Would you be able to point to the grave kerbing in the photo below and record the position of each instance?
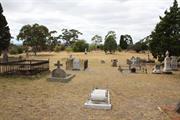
(59, 74)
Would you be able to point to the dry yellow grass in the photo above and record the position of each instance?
(133, 96)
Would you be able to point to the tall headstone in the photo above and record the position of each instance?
(85, 64)
(76, 64)
(174, 63)
(69, 63)
(85, 52)
(167, 64)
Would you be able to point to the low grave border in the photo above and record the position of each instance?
(24, 67)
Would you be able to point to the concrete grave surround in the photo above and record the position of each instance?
(59, 74)
(99, 99)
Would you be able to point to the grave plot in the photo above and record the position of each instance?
(59, 74)
(99, 99)
(76, 64)
(134, 65)
(24, 67)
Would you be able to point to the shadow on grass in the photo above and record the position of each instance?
(24, 77)
(42, 55)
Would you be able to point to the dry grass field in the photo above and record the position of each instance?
(133, 96)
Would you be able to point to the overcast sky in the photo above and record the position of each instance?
(135, 17)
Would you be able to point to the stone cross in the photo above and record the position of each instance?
(58, 64)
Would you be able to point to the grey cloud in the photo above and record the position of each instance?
(135, 17)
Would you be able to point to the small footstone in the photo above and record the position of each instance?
(133, 70)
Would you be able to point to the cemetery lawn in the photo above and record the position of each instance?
(133, 96)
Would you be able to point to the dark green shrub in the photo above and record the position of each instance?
(80, 46)
(16, 50)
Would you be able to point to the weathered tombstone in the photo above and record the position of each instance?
(85, 52)
(133, 70)
(174, 63)
(76, 64)
(114, 62)
(134, 64)
(133, 60)
(157, 69)
(167, 64)
(85, 64)
(120, 69)
(129, 63)
(178, 108)
(69, 63)
(59, 74)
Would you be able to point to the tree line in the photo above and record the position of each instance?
(165, 36)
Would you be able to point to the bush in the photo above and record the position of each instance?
(69, 49)
(57, 48)
(110, 44)
(16, 50)
(101, 47)
(119, 49)
(80, 46)
(139, 46)
(92, 47)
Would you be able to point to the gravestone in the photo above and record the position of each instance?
(99, 99)
(59, 74)
(85, 64)
(133, 60)
(157, 69)
(85, 51)
(114, 62)
(174, 63)
(76, 64)
(167, 64)
(178, 108)
(120, 69)
(69, 63)
(129, 63)
(133, 70)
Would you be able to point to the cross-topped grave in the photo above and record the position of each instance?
(58, 64)
(59, 74)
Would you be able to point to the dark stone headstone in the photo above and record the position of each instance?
(133, 70)
(85, 64)
(178, 108)
(114, 62)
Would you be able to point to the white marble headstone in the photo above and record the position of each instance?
(76, 64)
(167, 63)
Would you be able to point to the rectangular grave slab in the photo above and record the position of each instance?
(99, 99)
